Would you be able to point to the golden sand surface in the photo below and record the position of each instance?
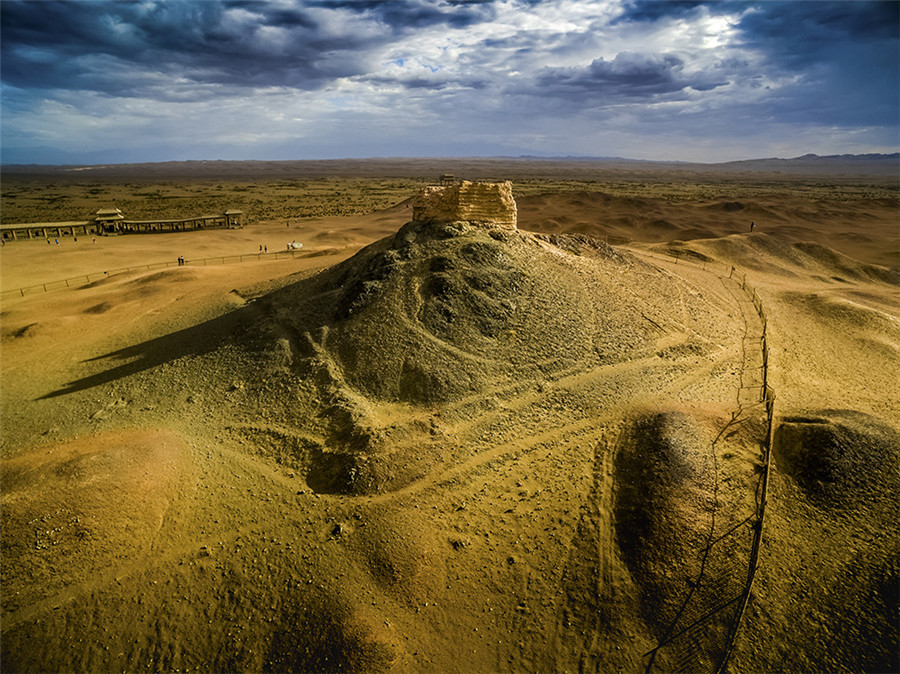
(450, 448)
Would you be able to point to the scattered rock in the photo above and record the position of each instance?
(460, 542)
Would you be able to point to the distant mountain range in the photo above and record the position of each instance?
(869, 164)
(803, 158)
(895, 156)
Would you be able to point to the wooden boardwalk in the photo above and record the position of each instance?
(102, 227)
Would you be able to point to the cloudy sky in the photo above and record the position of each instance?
(154, 80)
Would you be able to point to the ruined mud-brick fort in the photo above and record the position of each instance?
(454, 200)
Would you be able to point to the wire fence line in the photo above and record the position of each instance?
(702, 635)
(82, 279)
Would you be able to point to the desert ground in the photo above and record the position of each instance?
(447, 447)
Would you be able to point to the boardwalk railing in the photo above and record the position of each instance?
(78, 281)
(702, 635)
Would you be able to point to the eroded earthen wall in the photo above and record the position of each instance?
(491, 203)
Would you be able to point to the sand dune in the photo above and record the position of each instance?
(866, 230)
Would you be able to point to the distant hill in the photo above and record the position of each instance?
(843, 157)
(878, 164)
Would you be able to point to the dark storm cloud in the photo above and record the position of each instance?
(133, 48)
(846, 54)
(402, 15)
(799, 32)
(653, 10)
(104, 46)
(788, 21)
(793, 34)
(629, 75)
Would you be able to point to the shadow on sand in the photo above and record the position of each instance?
(193, 341)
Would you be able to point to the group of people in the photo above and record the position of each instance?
(293, 245)
(74, 240)
(181, 261)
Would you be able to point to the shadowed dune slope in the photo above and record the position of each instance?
(840, 458)
(664, 505)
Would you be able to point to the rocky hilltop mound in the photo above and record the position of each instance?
(446, 309)
(449, 310)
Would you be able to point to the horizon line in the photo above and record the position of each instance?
(528, 157)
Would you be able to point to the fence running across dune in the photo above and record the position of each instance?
(78, 281)
(702, 635)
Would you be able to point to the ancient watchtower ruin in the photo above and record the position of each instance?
(488, 203)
